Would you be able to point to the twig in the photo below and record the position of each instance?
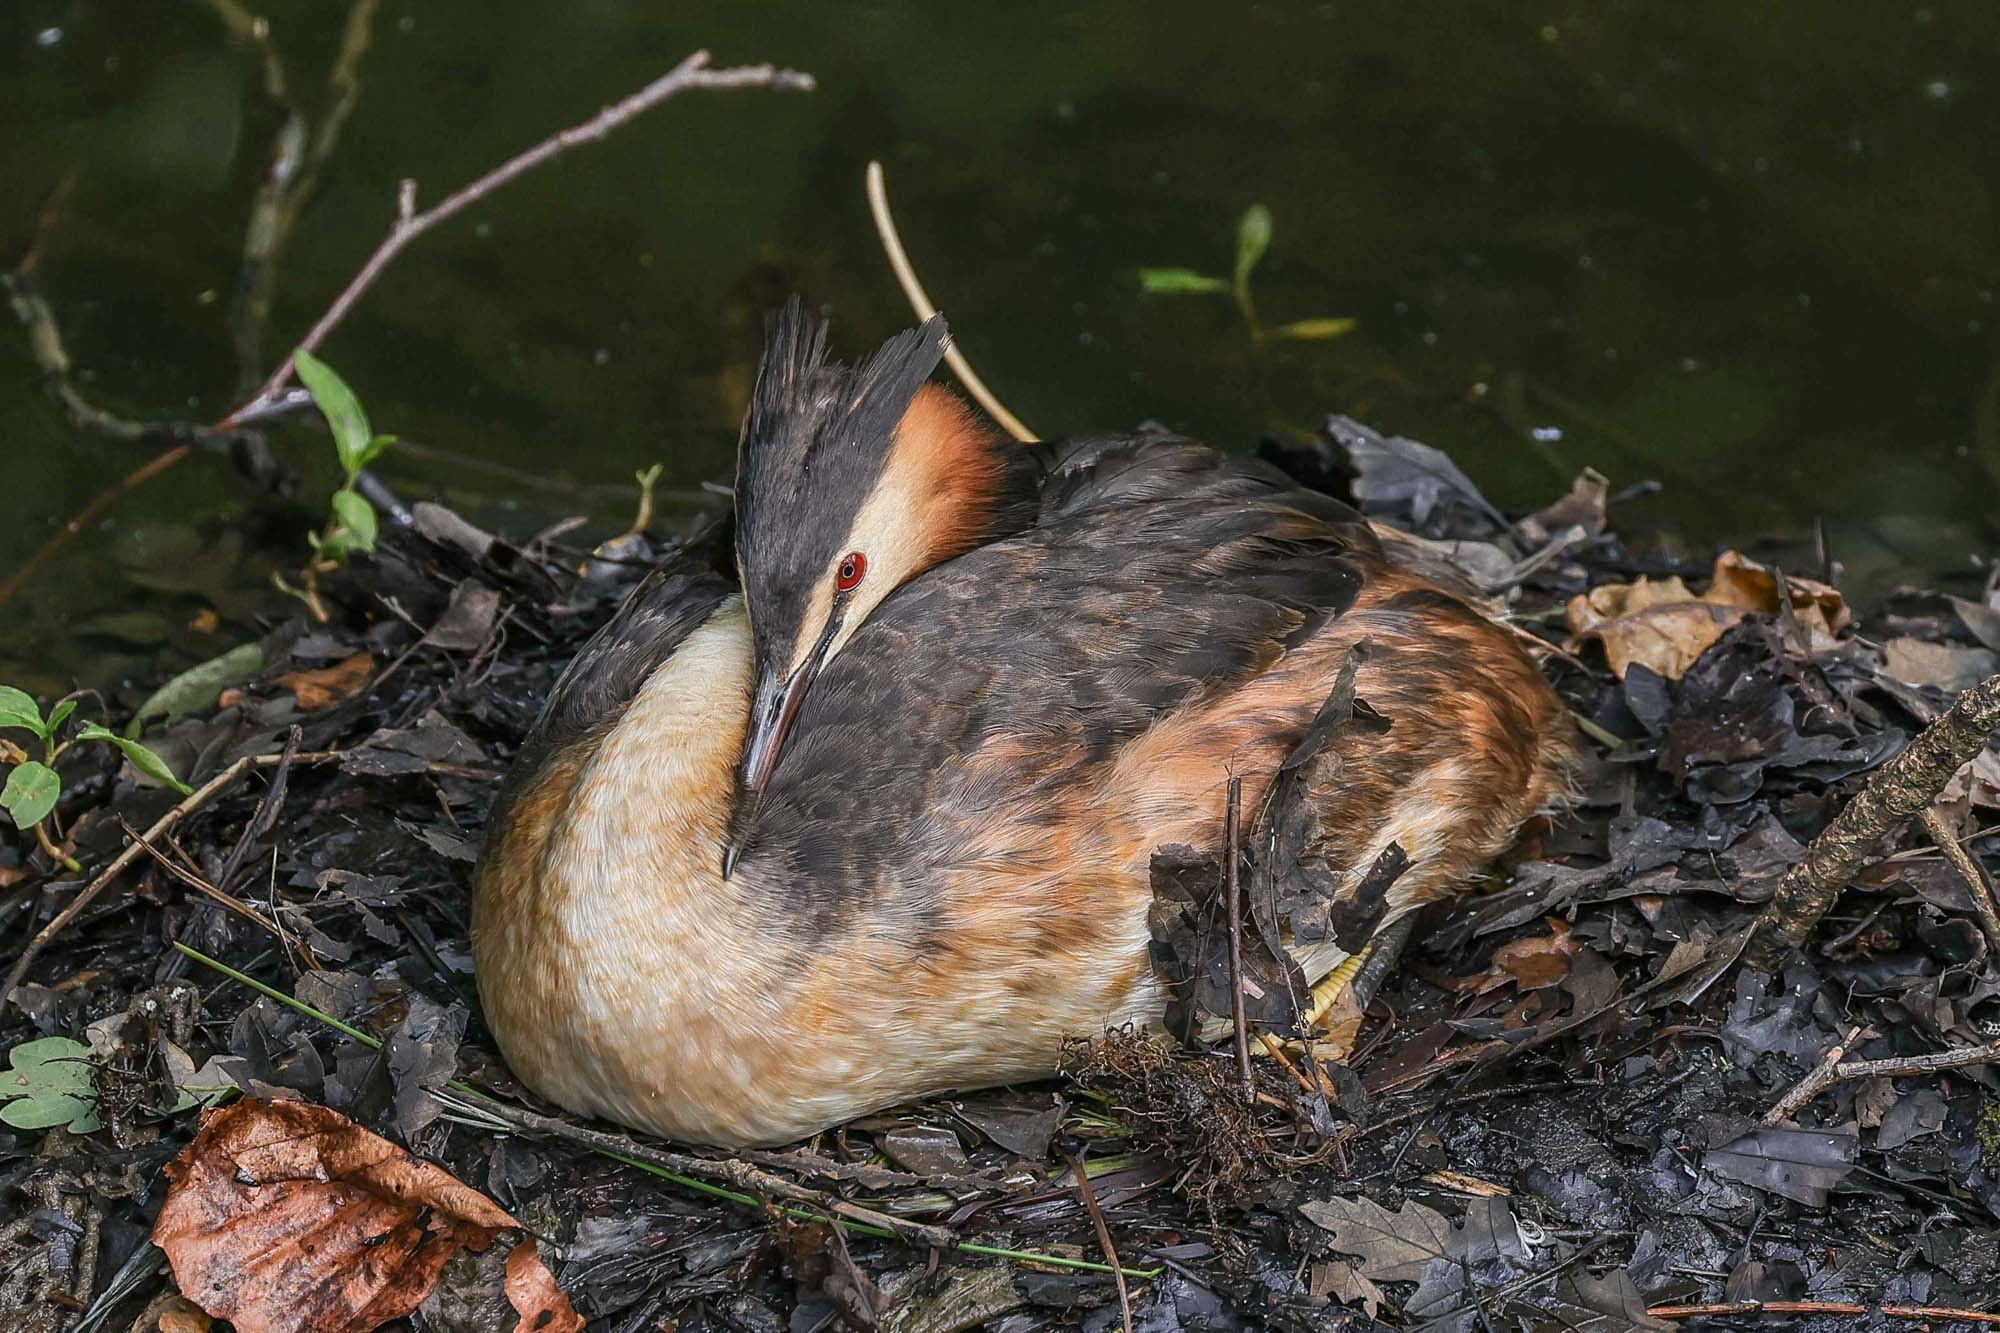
(201, 796)
(1895, 794)
(1232, 839)
(913, 291)
(1813, 1084)
(100, 502)
(410, 224)
(298, 159)
(200, 885)
(1968, 870)
(1821, 1307)
(1103, 1238)
(729, 1171)
(481, 1102)
(1902, 1066)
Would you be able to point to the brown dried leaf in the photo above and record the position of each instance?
(327, 686)
(1664, 626)
(1741, 581)
(1535, 962)
(1947, 666)
(1343, 1282)
(543, 1306)
(286, 1217)
(1392, 1247)
(1582, 507)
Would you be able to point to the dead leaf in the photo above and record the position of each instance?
(467, 622)
(1741, 581)
(531, 1288)
(171, 1312)
(327, 686)
(1662, 625)
(1801, 1164)
(1535, 962)
(1582, 508)
(1344, 1282)
(1948, 666)
(286, 1217)
(1392, 1247)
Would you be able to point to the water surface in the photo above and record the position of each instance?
(1748, 252)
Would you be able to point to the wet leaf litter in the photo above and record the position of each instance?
(1557, 1112)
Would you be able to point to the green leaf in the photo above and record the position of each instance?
(47, 1084)
(60, 714)
(339, 406)
(198, 687)
(30, 793)
(1178, 282)
(376, 448)
(1312, 330)
(1253, 238)
(142, 758)
(357, 516)
(18, 709)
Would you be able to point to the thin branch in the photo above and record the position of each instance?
(729, 1171)
(1895, 794)
(45, 337)
(201, 796)
(1232, 849)
(1103, 1239)
(410, 224)
(1813, 1084)
(913, 291)
(298, 160)
(100, 502)
(1903, 1066)
(1968, 870)
(1928, 1312)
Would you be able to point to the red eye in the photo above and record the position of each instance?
(850, 571)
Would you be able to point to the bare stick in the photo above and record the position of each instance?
(1232, 840)
(1894, 795)
(1821, 1307)
(410, 224)
(1968, 870)
(1813, 1084)
(1903, 1066)
(731, 1172)
(298, 159)
(913, 291)
(201, 796)
(100, 502)
(1103, 1239)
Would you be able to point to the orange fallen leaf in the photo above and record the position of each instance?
(286, 1217)
(327, 686)
(1534, 962)
(1662, 625)
(532, 1290)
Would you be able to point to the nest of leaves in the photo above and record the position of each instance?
(1553, 1115)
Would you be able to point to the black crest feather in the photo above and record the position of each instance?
(814, 445)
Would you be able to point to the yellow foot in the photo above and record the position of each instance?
(1333, 985)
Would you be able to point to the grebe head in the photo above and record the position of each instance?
(850, 480)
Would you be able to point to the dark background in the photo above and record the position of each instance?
(1748, 251)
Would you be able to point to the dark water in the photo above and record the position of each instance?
(1750, 252)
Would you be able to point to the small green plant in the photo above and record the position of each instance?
(1253, 238)
(33, 787)
(351, 524)
(47, 1083)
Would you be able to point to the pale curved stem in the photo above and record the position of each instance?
(892, 246)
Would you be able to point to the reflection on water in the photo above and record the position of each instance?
(1750, 253)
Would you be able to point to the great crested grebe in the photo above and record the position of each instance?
(871, 816)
